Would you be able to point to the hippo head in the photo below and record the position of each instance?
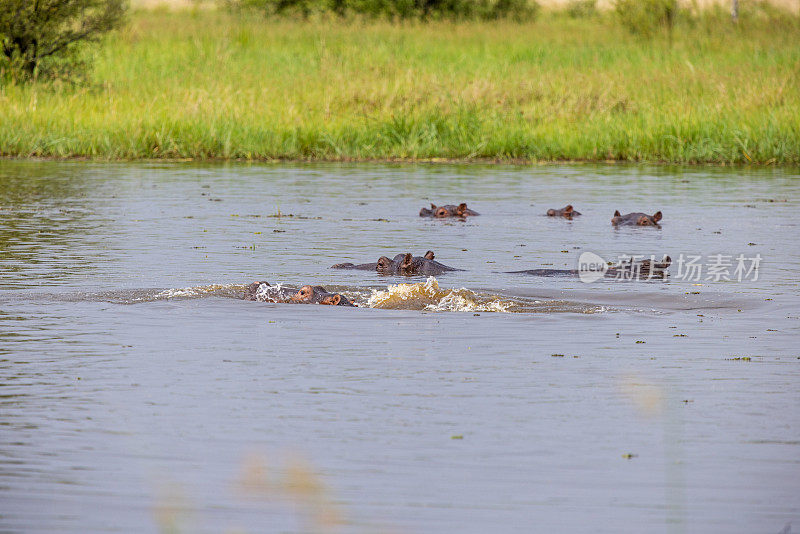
(407, 264)
(441, 212)
(567, 211)
(636, 219)
(384, 265)
(319, 295)
(402, 263)
(649, 220)
(310, 295)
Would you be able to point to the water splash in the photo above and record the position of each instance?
(423, 296)
(277, 293)
(429, 296)
(194, 292)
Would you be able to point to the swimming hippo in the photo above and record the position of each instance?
(636, 219)
(263, 291)
(649, 268)
(567, 212)
(404, 264)
(319, 295)
(629, 270)
(442, 212)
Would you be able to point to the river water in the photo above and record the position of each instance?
(140, 395)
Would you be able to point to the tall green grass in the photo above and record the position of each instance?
(207, 84)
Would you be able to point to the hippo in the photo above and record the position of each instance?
(404, 264)
(636, 219)
(567, 212)
(373, 266)
(306, 295)
(319, 295)
(442, 212)
(629, 270)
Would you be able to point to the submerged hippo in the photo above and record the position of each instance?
(319, 295)
(630, 269)
(306, 295)
(442, 212)
(636, 219)
(567, 212)
(404, 264)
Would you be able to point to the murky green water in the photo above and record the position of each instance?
(139, 395)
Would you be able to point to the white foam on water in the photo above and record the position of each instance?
(267, 293)
(429, 296)
(189, 292)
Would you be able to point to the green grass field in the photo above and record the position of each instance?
(207, 84)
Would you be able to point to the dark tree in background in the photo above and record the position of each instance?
(43, 37)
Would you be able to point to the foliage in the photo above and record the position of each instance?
(581, 8)
(217, 85)
(646, 18)
(396, 9)
(42, 38)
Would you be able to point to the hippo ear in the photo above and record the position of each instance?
(429, 255)
(407, 261)
(462, 208)
(383, 262)
(333, 300)
(433, 206)
(657, 216)
(617, 213)
(568, 208)
(667, 261)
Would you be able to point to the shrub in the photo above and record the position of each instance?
(397, 9)
(579, 9)
(43, 38)
(646, 18)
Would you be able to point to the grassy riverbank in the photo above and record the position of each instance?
(206, 84)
